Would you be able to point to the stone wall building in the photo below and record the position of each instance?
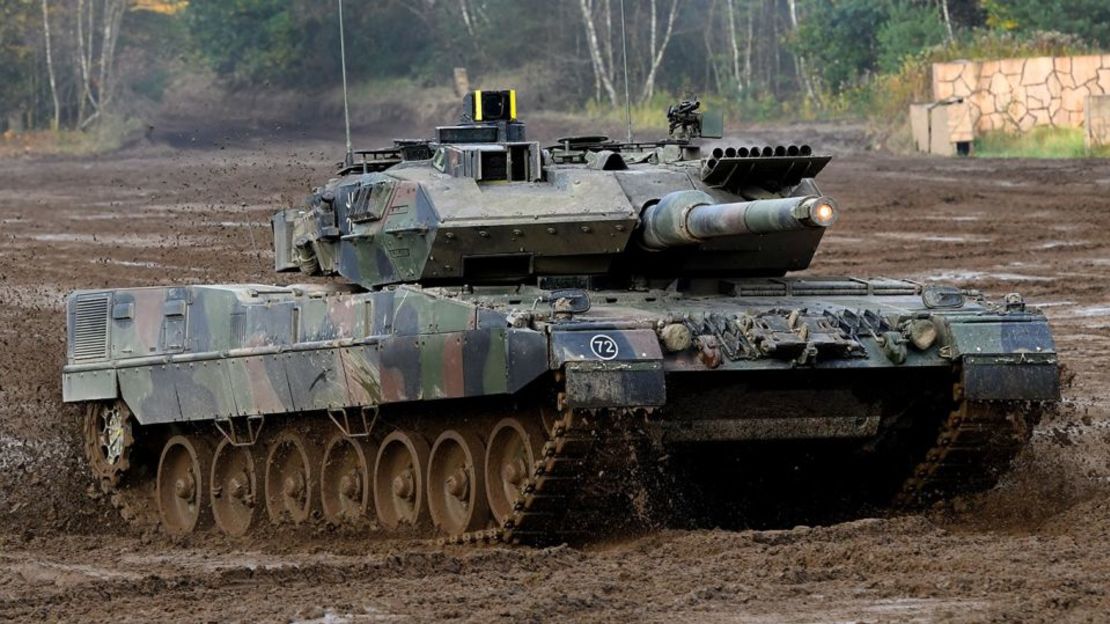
(1017, 94)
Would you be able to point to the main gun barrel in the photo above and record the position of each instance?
(690, 217)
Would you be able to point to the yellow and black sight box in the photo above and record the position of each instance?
(487, 117)
(492, 105)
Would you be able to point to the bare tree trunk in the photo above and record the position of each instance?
(83, 61)
(113, 15)
(89, 49)
(799, 60)
(947, 19)
(79, 82)
(595, 52)
(657, 54)
(469, 23)
(711, 62)
(597, 85)
(733, 41)
(774, 72)
(102, 86)
(112, 18)
(57, 121)
(748, 52)
(607, 6)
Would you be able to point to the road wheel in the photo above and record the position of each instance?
(290, 487)
(399, 474)
(181, 497)
(345, 480)
(234, 488)
(511, 454)
(456, 483)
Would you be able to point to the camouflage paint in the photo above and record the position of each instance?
(258, 350)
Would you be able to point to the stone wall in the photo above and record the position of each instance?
(1098, 121)
(1017, 94)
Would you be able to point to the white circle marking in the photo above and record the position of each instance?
(604, 347)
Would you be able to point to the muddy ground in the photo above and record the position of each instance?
(179, 210)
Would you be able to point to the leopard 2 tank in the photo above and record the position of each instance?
(502, 327)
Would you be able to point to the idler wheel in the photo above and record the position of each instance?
(344, 480)
(234, 488)
(511, 454)
(456, 483)
(399, 475)
(109, 440)
(290, 479)
(180, 484)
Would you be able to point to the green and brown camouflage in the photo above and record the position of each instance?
(218, 352)
(630, 272)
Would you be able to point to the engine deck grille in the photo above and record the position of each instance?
(90, 327)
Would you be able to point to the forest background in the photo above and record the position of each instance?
(88, 74)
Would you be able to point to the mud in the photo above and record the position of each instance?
(1035, 549)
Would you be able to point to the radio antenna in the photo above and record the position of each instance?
(624, 55)
(343, 66)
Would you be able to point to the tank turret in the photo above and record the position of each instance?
(480, 203)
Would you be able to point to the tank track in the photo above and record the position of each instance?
(560, 501)
(975, 445)
(540, 512)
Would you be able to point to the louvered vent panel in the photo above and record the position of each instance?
(90, 327)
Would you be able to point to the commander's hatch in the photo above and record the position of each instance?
(500, 162)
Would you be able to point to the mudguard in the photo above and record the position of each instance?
(1007, 359)
(610, 368)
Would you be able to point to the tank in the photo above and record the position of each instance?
(501, 332)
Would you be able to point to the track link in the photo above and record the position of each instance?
(540, 512)
(974, 447)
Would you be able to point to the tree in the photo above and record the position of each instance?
(249, 41)
(841, 39)
(98, 91)
(1090, 19)
(947, 20)
(799, 59)
(18, 21)
(602, 77)
(657, 51)
(56, 122)
(908, 29)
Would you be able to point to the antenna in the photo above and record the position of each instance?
(624, 55)
(343, 65)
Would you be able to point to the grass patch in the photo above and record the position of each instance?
(1040, 142)
(107, 136)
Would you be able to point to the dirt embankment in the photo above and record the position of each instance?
(1037, 548)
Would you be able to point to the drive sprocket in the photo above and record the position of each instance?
(109, 442)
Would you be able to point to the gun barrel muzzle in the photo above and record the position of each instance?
(689, 217)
